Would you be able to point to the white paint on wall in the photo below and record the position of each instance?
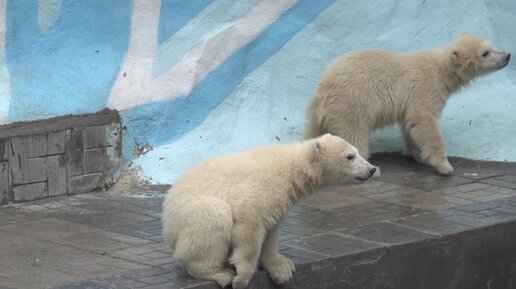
(136, 83)
(214, 18)
(48, 11)
(5, 78)
(135, 80)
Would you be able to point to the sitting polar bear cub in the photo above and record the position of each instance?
(365, 90)
(239, 201)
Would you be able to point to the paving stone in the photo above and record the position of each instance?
(302, 255)
(428, 201)
(426, 182)
(385, 232)
(330, 199)
(503, 181)
(107, 240)
(120, 282)
(85, 183)
(332, 244)
(478, 207)
(433, 223)
(153, 280)
(145, 272)
(4, 182)
(29, 192)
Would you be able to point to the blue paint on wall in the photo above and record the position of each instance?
(172, 119)
(73, 67)
(175, 14)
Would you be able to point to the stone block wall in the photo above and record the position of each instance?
(60, 156)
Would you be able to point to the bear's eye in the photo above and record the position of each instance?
(485, 54)
(350, 157)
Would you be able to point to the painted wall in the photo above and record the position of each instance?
(198, 78)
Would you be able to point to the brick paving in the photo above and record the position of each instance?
(114, 240)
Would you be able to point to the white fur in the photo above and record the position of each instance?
(365, 90)
(238, 201)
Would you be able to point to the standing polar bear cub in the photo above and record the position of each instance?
(237, 202)
(365, 90)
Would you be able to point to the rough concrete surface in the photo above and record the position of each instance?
(59, 156)
(408, 229)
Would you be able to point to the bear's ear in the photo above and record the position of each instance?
(458, 58)
(315, 150)
(464, 33)
(461, 60)
(317, 147)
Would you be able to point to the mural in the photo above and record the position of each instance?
(198, 78)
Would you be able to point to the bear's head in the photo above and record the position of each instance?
(472, 56)
(340, 162)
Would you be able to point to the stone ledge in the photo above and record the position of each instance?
(60, 123)
(59, 156)
(452, 261)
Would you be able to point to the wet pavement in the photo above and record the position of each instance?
(114, 240)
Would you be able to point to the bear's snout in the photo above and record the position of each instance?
(508, 57)
(367, 174)
(372, 171)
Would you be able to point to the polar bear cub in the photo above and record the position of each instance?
(236, 203)
(369, 89)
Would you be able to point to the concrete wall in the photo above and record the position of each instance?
(199, 78)
(60, 156)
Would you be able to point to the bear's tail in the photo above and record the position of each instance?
(313, 125)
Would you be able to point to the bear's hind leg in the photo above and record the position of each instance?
(424, 130)
(202, 246)
(223, 276)
(411, 149)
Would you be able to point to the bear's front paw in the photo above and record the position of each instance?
(280, 268)
(241, 280)
(445, 168)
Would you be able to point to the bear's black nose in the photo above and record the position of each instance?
(508, 57)
(372, 171)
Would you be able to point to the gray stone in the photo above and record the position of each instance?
(96, 137)
(94, 160)
(29, 192)
(4, 182)
(56, 143)
(113, 134)
(75, 158)
(500, 182)
(56, 172)
(37, 145)
(61, 123)
(36, 170)
(85, 183)
(18, 160)
(4, 149)
(112, 164)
